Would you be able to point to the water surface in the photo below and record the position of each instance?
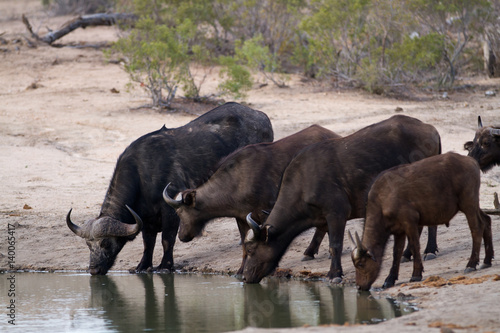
(122, 302)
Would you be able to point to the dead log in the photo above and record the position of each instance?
(496, 204)
(491, 211)
(82, 21)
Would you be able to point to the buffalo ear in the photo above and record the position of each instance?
(268, 233)
(189, 198)
(370, 255)
(468, 145)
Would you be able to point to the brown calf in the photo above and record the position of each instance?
(405, 198)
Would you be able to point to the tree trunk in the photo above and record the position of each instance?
(491, 54)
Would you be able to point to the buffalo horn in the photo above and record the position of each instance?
(358, 241)
(479, 122)
(495, 131)
(134, 229)
(73, 227)
(350, 237)
(171, 202)
(111, 227)
(359, 246)
(253, 225)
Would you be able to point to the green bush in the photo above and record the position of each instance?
(158, 57)
(236, 78)
(373, 44)
(257, 56)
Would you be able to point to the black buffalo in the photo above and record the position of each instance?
(247, 180)
(485, 148)
(327, 183)
(187, 155)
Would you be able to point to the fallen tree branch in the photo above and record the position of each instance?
(496, 204)
(80, 22)
(491, 211)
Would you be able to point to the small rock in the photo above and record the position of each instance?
(26, 206)
(399, 109)
(490, 93)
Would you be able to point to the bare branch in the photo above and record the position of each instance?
(80, 22)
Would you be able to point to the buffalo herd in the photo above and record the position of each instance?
(226, 164)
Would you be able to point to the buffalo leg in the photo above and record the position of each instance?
(399, 244)
(431, 249)
(336, 228)
(488, 240)
(149, 240)
(168, 235)
(243, 229)
(477, 228)
(407, 254)
(414, 243)
(313, 247)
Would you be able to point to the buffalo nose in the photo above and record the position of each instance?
(94, 271)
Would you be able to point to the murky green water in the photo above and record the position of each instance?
(122, 302)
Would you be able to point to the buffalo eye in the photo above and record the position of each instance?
(105, 244)
(250, 248)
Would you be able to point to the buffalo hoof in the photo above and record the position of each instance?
(388, 284)
(141, 270)
(483, 266)
(163, 270)
(416, 279)
(430, 256)
(469, 270)
(336, 280)
(307, 258)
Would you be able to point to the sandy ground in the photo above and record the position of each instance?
(62, 129)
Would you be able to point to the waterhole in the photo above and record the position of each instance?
(122, 302)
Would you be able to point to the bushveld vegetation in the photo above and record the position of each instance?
(377, 45)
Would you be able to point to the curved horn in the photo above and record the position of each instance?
(479, 122)
(350, 237)
(171, 202)
(73, 227)
(358, 249)
(495, 131)
(253, 225)
(111, 227)
(359, 245)
(134, 229)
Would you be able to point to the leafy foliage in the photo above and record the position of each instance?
(158, 57)
(374, 44)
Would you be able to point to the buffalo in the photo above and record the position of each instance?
(485, 148)
(405, 198)
(187, 155)
(327, 183)
(247, 180)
